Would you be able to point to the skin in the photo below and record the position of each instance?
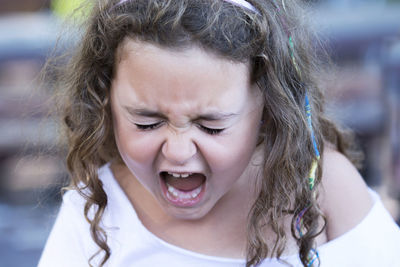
(181, 92)
(344, 195)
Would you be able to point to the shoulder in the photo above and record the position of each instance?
(344, 196)
(68, 240)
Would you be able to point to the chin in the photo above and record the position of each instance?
(190, 214)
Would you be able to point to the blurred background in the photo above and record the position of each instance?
(363, 89)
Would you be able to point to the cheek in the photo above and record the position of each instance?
(231, 154)
(138, 150)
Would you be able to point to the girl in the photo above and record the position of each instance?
(191, 143)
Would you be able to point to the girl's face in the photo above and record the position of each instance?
(186, 124)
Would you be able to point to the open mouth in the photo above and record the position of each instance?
(183, 189)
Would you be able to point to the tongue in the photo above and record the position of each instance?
(185, 184)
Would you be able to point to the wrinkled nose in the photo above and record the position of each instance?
(178, 148)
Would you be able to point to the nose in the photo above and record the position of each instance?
(178, 148)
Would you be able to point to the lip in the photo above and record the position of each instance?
(179, 203)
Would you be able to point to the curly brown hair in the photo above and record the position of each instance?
(233, 33)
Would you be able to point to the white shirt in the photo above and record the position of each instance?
(375, 241)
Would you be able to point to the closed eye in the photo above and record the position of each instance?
(148, 127)
(211, 131)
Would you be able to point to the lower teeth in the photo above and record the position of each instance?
(184, 195)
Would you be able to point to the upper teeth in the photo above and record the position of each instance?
(179, 175)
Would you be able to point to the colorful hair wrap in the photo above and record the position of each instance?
(313, 256)
(314, 165)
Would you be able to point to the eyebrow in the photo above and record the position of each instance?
(144, 112)
(216, 116)
(206, 117)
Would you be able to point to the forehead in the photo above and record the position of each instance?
(148, 75)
